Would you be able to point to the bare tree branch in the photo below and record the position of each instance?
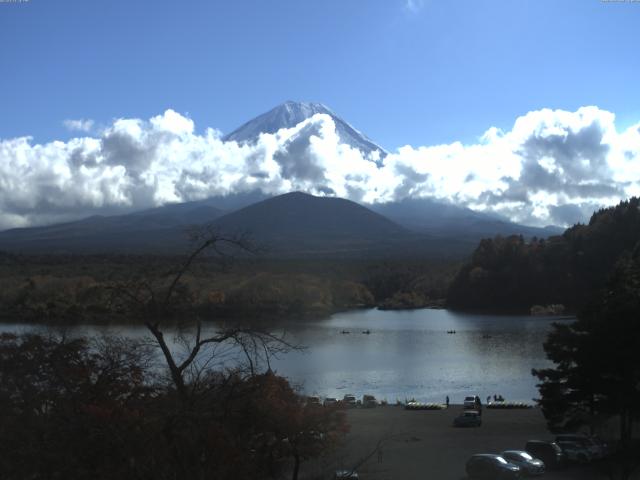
(154, 297)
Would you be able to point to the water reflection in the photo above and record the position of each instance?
(407, 354)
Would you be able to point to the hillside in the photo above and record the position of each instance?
(509, 273)
(157, 230)
(301, 223)
(427, 215)
(292, 225)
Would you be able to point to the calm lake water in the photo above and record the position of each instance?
(408, 354)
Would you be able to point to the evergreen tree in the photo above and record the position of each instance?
(597, 366)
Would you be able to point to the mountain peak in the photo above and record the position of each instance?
(296, 194)
(291, 113)
(296, 103)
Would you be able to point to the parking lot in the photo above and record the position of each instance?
(424, 445)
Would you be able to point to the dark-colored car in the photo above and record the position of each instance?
(527, 463)
(575, 452)
(549, 452)
(468, 418)
(491, 467)
(596, 452)
(369, 401)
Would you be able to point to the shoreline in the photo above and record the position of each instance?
(274, 320)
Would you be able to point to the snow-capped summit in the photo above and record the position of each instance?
(290, 114)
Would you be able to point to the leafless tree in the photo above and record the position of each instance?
(155, 300)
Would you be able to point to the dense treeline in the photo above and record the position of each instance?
(75, 289)
(504, 273)
(510, 273)
(594, 380)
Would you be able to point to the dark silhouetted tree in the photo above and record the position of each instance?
(237, 424)
(597, 366)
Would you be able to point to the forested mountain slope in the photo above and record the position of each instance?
(509, 273)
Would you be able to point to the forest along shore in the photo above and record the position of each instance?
(424, 444)
(80, 289)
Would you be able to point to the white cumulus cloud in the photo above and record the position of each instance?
(78, 125)
(551, 167)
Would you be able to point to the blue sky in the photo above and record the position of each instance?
(110, 106)
(423, 72)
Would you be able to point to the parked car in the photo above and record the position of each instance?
(468, 418)
(491, 467)
(330, 402)
(596, 451)
(369, 401)
(349, 400)
(345, 474)
(472, 403)
(575, 452)
(313, 401)
(528, 465)
(549, 452)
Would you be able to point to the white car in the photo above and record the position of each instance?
(330, 402)
(472, 403)
(528, 464)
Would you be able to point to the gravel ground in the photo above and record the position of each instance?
(424, 445)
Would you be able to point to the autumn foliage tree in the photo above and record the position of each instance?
(113, 408)
(70, 408)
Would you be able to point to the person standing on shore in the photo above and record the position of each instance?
(447, 401)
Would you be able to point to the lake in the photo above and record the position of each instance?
(407, 354)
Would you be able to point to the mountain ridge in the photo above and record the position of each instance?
(428, 215)
(292, 223)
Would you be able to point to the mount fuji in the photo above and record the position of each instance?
(296, 223)
(290, 114)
